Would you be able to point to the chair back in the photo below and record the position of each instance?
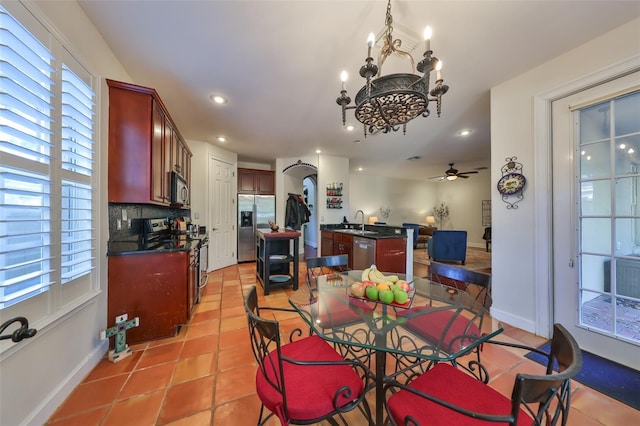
(549, 392)
(326, 265)
(448, 245)
(265, 338)
(460, 279)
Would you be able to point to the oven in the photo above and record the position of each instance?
(203, 263)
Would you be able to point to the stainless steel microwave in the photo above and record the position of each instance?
(179, 190)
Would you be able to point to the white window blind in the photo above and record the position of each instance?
(77, 257)
(46, 166)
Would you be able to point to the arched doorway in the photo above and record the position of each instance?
(301, 178)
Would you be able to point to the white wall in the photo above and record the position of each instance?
(521, 237)
(413, 200)
(38, 373)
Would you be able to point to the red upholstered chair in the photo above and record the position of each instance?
(452, 329)
(445, 395)
(304, 381)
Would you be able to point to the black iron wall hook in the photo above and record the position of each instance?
(23, 332)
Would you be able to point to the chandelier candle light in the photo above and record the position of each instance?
(386, 102)
(441, 211)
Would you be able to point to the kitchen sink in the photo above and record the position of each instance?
(356, 231)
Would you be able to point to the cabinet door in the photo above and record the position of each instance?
(158, 154)
(326, 243)
(391, 255)
(168, 159)
(246, 181)
(265, 182)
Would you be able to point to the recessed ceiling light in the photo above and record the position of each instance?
(360, 169)
(356, 141)
(350, 128)
(221, 139)
(218, 99)
(318, 151)
(465, 132)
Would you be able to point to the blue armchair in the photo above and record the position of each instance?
(416, 231)
(448, 245)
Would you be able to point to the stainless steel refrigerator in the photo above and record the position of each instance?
(254, 212)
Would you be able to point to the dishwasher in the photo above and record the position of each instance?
(364, 252)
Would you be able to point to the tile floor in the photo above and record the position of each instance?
(205, 375)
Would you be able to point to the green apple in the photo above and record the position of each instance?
(372, 292)
(400, 297)
(386, 296)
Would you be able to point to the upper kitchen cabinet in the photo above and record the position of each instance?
(255, 181)
(145, 146)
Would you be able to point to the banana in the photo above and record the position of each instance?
(392, 278)
(365, 275)
(377, 276)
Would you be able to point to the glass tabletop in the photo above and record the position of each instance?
(436, 323)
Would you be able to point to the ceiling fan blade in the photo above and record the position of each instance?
(466, 173)
(463, 176)
(437, 177)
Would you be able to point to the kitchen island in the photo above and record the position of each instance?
(388, 247)
(277, 257)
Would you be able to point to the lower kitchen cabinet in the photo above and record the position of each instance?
(391, 255)
(153, 287)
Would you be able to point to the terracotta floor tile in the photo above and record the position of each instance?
(213, 314)
(92, 417)
(233, 338)
(192, 368)
(187, 399)
(233, 384)
(160, 354)
(200, 345)
(91, 395)
(236, 356)
(233, 323)
(240, 412)
(106, 368)
(140, 411)
(203, 329)
(235, 311)
(604, 409)
(148, 380)
(203, 418)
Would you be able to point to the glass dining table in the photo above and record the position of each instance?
(435, 325)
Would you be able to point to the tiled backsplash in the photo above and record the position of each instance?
(132, 227)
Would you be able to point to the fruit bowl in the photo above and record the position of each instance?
(393, 303)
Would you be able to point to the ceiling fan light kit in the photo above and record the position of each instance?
(390, 101)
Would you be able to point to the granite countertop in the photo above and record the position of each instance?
(181, 243)
(287, 233)
(374, 232)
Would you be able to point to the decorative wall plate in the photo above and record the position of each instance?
(511, 183)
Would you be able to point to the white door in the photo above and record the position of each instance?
(222, 218)
(596, 220)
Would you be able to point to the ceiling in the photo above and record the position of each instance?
(278, 63)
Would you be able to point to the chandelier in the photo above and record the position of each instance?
(389, 101)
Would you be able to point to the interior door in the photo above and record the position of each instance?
(222, 215)
(596, 222)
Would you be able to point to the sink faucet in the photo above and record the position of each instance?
(360, 211)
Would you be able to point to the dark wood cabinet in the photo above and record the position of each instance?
(391, 255)
(326, 243)
(153, 287)
(254, 181)
(144, 146)
(343, 244)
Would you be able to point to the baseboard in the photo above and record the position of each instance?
(515, 321)
(45, 410)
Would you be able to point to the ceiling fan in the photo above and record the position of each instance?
(453, 174)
